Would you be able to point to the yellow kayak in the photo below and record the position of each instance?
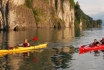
(23, 49)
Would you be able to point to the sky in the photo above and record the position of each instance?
(91, 7)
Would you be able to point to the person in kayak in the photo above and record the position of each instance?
(26, 44)
(95, 43)
(102, 41)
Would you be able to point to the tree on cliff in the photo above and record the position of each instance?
(99, 22)
(86, 20)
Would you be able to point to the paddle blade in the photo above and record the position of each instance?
(35, 38)
(83, 46)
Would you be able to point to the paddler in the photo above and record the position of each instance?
(26, 44)
(95, 43)
(102, 41)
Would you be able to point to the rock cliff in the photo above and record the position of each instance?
(24, 14)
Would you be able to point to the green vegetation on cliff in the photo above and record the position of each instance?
(86, 20)
(38, 11)
(72, 3)
(28, 3)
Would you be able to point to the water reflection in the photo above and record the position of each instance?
(3, 40)
(66, 34)
(56, 35)
(62, 58)
(77, 32)
(96, 53)
(15, 61)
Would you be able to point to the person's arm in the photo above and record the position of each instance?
(28, 44)
(101, 41)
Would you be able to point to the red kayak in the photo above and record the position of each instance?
(84, 49)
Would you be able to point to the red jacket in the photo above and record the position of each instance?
(25, 45)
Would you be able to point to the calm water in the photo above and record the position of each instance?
(56, 56)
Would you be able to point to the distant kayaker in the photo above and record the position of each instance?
(102, 41)
(95, 43)
(26, 44)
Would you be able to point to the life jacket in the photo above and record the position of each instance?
(102, 41)
(25, 44)
(95, 44)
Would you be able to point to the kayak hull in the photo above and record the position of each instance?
(90, 48)
(23, 49)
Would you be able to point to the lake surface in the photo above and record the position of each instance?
(57, 55)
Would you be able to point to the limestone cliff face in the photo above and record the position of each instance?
(65, 12)
(15, 14)
(56, 12)
(20, 16)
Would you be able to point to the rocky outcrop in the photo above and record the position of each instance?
(65, 12)
(14, 15)
(56, 12)
(24, 14)
(3, 14)
(20, 16)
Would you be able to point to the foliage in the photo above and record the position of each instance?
(37, 13)
(28, 3)
(77, 32)
(87, 21)
(72, 3)
(99, 22)
(47, 1)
